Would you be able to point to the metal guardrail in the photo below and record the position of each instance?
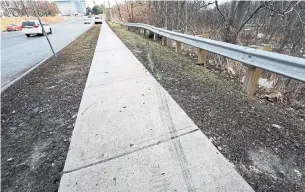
(293, 67)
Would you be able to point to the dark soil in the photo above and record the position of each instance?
(38, 115)
(265, 142)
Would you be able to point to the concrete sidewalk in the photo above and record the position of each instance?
(130, 135)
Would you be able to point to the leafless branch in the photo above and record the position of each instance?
(216, 3)
(254, 12)
(206, 5)
(118, 7)
(299, 16)
(292, 8)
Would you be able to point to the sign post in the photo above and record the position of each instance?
(43, 30)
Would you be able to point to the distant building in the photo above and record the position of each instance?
(80, 6)
(71, 7)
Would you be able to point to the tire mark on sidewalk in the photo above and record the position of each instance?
(177, 152)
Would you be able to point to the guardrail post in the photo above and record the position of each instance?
(202, 54)
(251, 80)
(155, 36)
(169, 42)
(164, 39)
(147, 32)
(178, 46)
(252, 77)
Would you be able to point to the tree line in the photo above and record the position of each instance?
(25, 8)
(279, 24)
(96, 9)
(237, 22)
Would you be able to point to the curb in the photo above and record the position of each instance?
(38, 64)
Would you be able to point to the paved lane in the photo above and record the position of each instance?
(19, 53)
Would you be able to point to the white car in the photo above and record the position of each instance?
(87, 21)
(33, 27)
(98, 20)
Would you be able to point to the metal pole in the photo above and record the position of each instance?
(43, 31)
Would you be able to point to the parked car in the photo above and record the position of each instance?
(33, 27)
(13, 27)
(98, 20)
(87, 21)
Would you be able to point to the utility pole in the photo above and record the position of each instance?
(43, 31)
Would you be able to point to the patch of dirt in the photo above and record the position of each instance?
(38, 116)
(265, 142)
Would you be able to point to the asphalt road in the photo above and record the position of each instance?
(19, 53)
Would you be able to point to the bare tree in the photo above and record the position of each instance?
(22, 8)
(129, 11)
(119, 10)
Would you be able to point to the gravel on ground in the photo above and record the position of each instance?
(38, 115)
(265, 142)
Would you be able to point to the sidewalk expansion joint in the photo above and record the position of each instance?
(130, 152)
